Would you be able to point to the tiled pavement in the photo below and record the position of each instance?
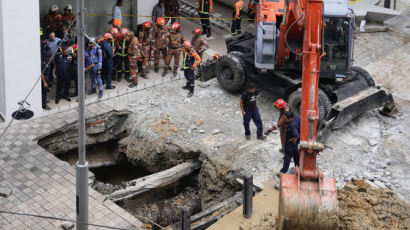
(44, 185)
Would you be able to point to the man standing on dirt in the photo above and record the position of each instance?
(283, 107)
(292, 141)
(251, 111)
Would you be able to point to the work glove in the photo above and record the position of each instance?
(267, 132)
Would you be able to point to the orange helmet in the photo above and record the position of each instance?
(161, 21)
(124, 31)
(114, 31)
(216, 56)
(197, 31)
(58, 17)
(108, 36)
(117, 22)
(187, 44)
(280, 104)
(147, 25)
(175, 26)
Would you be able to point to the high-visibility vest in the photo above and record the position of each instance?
(189, 59)
(204, 6)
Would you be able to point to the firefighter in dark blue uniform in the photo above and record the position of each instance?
(204, 11)
(191, 60)
(292, 141)
(64, 69)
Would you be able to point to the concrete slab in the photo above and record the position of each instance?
(400, 24)
(370, 11)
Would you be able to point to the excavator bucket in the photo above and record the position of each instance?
(307, 204)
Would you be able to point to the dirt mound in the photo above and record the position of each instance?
(362, 206)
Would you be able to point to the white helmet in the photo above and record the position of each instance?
(54, 8)
(68, 7)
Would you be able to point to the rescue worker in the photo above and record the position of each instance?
(133, 49)
(176, 41)
(68, 18)
(93, 63)
(50, 21)
(107, 66)
(283, 107)
(191, 60)
(250, 111)
(292, 141)
(237, 14)
(63, 67)
(252, 4)
(172, 9)
(200, 45)
(161, 39)
(204, 11)
(59, 24)
(115, 33)
(145, 47)
(122, 63)
(45, 70)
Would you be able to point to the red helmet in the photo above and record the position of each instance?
(58, 17)
(197, 31)
(187, 44)
(114, 31)
(108, 36)
(124, 31)
(75, 47)
(216, 56)
(161, 21)
(147, 25)
(117, 22)
(175, 26)
(280, 104)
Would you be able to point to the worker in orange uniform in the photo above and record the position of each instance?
(237, 14)
(176, 40)
(160, 37)
(200, 45)
(191, 60)
(145, 38)
(283, 107)
(133, 49)
(204, 11)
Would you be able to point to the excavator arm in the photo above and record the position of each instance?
(307, 198)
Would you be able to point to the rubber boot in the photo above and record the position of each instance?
(156, 69)
(191, 92)
(100, 94)
(204, 31)
(164, 74)
(208, 34)
(186, 87)
(119, 76)
(127, 77)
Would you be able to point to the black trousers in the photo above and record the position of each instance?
(190, 77)
(236, 26)
(122, 64)
(288, 157)
(206, 28)
(63, 86)
(43, 95)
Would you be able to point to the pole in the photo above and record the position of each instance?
(82, 164)
(247, 196)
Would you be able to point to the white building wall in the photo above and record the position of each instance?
(19, 55)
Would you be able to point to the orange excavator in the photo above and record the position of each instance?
(303, 52)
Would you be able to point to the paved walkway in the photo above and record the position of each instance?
(42, 184)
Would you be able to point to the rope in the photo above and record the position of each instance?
(189, 18)
(61, 219)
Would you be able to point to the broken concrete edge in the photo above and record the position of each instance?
(5, 192)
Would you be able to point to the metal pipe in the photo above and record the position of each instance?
(247, 196)
(82, 164)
